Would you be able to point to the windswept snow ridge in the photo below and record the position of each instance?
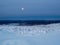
(30, 30)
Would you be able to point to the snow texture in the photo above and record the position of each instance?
(30, 30)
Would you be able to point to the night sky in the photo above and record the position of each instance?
(33, 9)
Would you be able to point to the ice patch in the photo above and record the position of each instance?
(14, 42)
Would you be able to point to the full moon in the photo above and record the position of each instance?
(22, 9)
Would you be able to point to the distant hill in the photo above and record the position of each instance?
(29, 22)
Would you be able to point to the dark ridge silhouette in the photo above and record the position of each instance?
(29, 22)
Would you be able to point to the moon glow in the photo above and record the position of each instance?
(22, 9)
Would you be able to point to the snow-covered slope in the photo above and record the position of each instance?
(30, 30)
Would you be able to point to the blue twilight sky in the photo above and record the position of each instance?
(11, 9)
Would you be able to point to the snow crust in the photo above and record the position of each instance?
(30, 30)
